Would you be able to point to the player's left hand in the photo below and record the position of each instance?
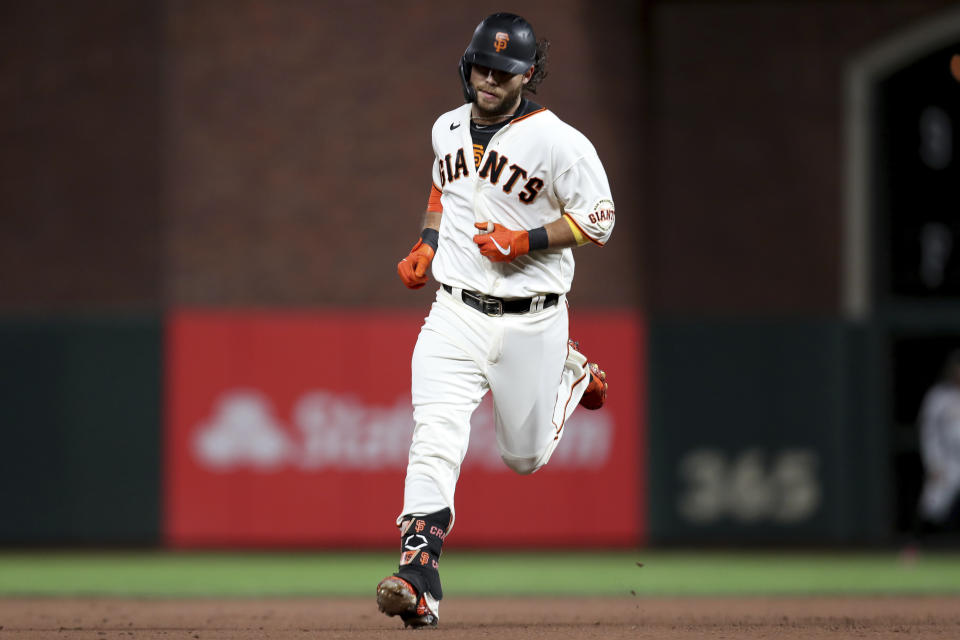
(501, 244)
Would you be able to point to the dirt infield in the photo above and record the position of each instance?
(353, 618)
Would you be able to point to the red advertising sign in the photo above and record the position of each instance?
(292, 429)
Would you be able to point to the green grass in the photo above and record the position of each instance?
(169, 574)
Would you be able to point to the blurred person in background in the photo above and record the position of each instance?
(939, 426)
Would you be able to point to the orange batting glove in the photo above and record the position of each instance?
(501, 244)
(413, 268)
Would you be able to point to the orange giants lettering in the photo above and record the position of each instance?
(455, 170)
(518, 172)
(491, 170)
(494, 165)
(530, 190)
(460, 165)
(606, 215)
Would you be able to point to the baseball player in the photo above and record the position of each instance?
(939, 423)
(514, 190)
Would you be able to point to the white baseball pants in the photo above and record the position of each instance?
(461, 353)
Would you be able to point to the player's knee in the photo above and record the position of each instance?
(522, 465)
(525, 465)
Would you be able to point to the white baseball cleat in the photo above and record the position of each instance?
(596, 393)
(397, 597)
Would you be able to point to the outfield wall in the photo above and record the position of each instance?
(265, 427)
(281, 423)
(81, 430)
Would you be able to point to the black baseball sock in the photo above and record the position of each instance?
(421, 539)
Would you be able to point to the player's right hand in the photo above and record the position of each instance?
(413, 268)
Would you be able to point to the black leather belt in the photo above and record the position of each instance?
(498, 306)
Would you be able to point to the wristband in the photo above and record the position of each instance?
(430, 236)
(538, 238)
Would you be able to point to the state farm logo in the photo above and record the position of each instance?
(243, 432)
(329, 431)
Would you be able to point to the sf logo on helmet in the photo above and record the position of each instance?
(500, 42)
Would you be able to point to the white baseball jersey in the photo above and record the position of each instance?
(534, 169)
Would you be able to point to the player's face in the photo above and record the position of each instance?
(498, 92)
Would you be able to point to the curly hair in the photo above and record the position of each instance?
(539, 66)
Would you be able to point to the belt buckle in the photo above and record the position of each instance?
(492, 307)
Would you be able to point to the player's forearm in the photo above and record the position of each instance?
(431, 220)
(431, 228)
(559, 234)
(500, 244)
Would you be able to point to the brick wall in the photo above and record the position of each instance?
(277, 153)
(80, 201)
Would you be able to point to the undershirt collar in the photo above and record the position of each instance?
(481, 133)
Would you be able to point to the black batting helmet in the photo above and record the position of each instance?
(503, 41)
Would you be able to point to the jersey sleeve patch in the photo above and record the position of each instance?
(603, 215)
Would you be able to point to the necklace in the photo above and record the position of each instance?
(485, 122)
